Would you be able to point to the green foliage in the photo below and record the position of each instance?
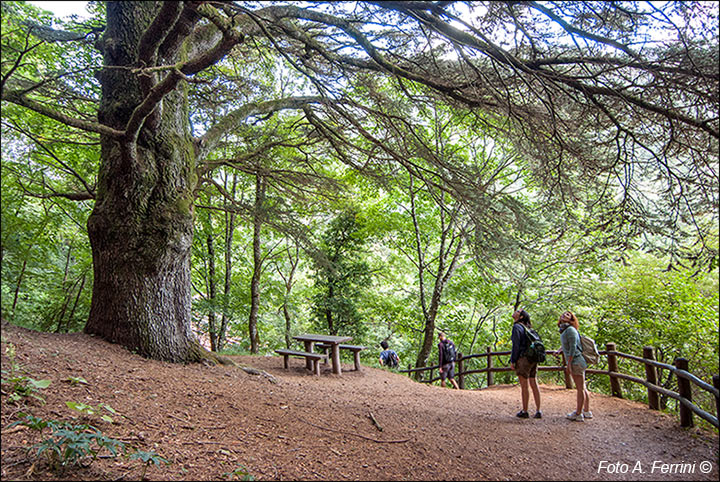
(565, 247)
(340, 277)
(673, 310)
(46, 263)
(76, 380)
(240, 473)
(20, 385)
(67, 444)
(148, 458)
(90, 410)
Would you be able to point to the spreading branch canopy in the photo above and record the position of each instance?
(606, 101)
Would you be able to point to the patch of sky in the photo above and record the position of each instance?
(63, 10)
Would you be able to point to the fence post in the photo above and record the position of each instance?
(686, 415)
(491, 377)
(716, 384)
(651, 377)
(568, 378)
(461, 377)
(409, 372)
(613, 368)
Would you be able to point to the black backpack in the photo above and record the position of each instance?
(448, 352)
(393, 360)
(535, 351)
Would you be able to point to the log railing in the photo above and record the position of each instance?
(679, 369)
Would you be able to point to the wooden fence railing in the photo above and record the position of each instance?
(679, 369)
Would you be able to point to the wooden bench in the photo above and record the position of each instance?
(314, 357)
(353, 348)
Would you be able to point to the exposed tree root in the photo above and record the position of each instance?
(207, 357)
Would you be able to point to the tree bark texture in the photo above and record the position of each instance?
(141, 228)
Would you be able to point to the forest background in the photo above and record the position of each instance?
(391, 215)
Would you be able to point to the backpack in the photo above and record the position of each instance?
(448, 352)
(392, 359)
(535, 351)
(589, 350)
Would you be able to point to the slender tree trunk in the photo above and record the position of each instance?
(288, 288)
(63, 309)
(288, 322)
(328, 311)
(77, 298)
(212, 292)
(257, 264)
(429, 331)
(66, 295)
(141, 227)
(448, 254)
(17, 287)
(288, 279)
(229, 234)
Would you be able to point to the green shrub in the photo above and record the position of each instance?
(68, 444)
(21, 386)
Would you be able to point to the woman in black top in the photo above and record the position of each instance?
(524, 368)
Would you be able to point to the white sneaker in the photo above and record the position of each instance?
(587, 414)
(575, 417)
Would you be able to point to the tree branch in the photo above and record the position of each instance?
(35, 106)
(211, 138)
(157, 32)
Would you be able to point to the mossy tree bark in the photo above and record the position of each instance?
(141, 228)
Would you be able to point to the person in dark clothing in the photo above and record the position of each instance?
(447, 367)
(388, 358)
(524, 368)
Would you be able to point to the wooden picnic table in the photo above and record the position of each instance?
(334, 341)
(353, 348)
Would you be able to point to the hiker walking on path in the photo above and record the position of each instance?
(525, 369)
(575, 364)
(447, 353)
(388, 358)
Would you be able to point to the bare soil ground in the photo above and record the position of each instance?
(212, 420)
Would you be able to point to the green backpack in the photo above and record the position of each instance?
(535, 351)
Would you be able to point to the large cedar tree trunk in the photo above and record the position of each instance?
(141, 228)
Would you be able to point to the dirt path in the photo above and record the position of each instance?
(212, 420)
